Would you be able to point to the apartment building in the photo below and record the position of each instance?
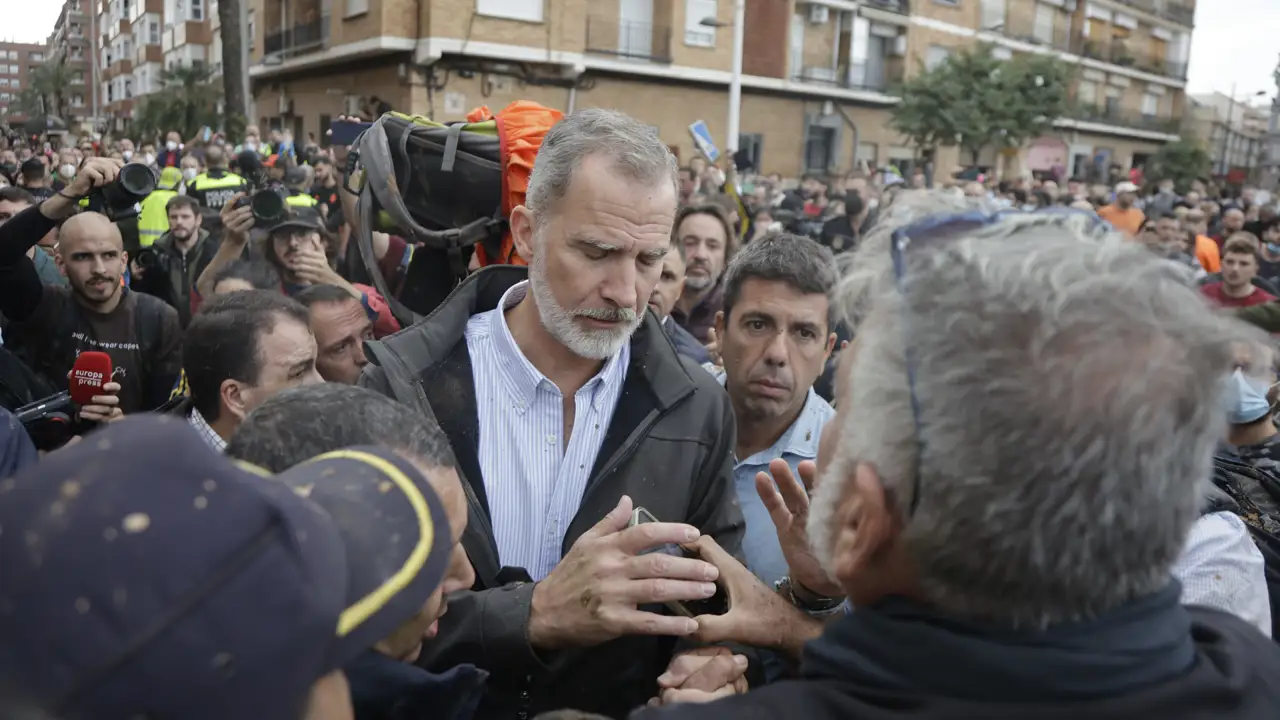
(73, 43)
(1233, 131)
(818, 80)
(17, 61)
(190, 31)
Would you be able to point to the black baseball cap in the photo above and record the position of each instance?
(143, 574)
(299, 217)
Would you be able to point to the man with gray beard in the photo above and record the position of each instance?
(1011, 491)
(569, 410)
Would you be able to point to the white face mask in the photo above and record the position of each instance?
(250, 144)
(189, 174)
(67, 172)
(149, 159)
(128, 155)
(171, 146)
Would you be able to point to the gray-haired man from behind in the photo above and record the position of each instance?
(568, 409)
(1024, 433)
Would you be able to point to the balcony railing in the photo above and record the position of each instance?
(1120, 53)
(896, 6)
(632, 40)
(1177, 12)
(877, 77)
(1124, 118)
(301, 38)
(1056, 35)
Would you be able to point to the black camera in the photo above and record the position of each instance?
(120, 200)
(266, 197)
(50, 422)
(147, 259)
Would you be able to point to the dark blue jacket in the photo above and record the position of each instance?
(686, 344)
(387, 689)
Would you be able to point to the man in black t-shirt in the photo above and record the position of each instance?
(50, 326)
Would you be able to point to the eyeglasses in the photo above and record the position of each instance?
(933, 231)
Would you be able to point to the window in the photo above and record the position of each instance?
(992, 14)
(1150, 105)
(4, 96)
(818, 147)
(1043, 28)
(17, 84)
(4, 82)
(936, 56)
(695, 33)
(36, 57)
(1087, 93)
(77, 100)
(511, 9)
(153, 32)
(1113, 101)
(752, 145)
(197, 10)
(357, 7)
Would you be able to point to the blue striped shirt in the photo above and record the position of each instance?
(533, 480)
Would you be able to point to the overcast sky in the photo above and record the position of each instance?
(1234, 41)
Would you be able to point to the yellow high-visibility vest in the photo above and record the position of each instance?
(153, 221)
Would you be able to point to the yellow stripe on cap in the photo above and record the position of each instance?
(352, 617)
(251, 468)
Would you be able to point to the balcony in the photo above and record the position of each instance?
(1119, 53)
(901, 7)
(144, 54)
(190, 32)
(628, 40)
(1024, 29)
(299, 39)
(872, 77)
(1123, 118)
(1177, 12)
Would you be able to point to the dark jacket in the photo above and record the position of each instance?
(386, 689)
(686, 344)
(669, 446)
(173, 275)
(1230, 673)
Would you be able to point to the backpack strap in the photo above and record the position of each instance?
(405, 387)
(148, 318)
(364, 241)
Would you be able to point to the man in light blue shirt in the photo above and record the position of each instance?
(774, 335)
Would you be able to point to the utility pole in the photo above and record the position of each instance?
(93, 66)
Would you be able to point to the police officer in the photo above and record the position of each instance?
(153, 221)
(298, 181)
(215, 187)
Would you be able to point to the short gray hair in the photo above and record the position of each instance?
(1069, 401)
(799, 262)
(632, 146)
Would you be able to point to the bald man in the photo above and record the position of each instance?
(50, 326)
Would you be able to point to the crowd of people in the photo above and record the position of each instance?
(723, 448)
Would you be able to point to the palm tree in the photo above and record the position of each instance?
(233, 69)
(46, 85)
(186, 101)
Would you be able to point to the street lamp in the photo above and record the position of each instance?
(735, 80)
(1226, 130)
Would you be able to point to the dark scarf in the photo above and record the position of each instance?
(899, 644)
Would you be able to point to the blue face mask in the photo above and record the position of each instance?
(1273, 248)
(1246, 399)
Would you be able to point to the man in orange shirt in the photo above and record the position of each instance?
(1206, 249)
(1122, 214)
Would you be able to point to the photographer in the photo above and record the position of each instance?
(169, 268)
(50, 326)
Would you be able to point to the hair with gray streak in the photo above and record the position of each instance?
(1068, 412)
(632, 146)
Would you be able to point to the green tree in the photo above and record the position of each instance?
(186, 101)
(1182, 161)
(975, 100)
(46, 88)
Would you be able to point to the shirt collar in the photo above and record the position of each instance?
(206, 431)
(519, 375)
(801, 439)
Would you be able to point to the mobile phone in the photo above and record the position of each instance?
(717, 604)
(344, 132)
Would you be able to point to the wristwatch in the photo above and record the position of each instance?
(812, 605)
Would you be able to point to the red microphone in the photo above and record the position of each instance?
(92, 370)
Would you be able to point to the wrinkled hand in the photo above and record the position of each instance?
(311, 266)
(237, 221)
(94, 173)
(757, 615)
(702, 675)
(788, 504)
(592, 596)
(105, 407)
